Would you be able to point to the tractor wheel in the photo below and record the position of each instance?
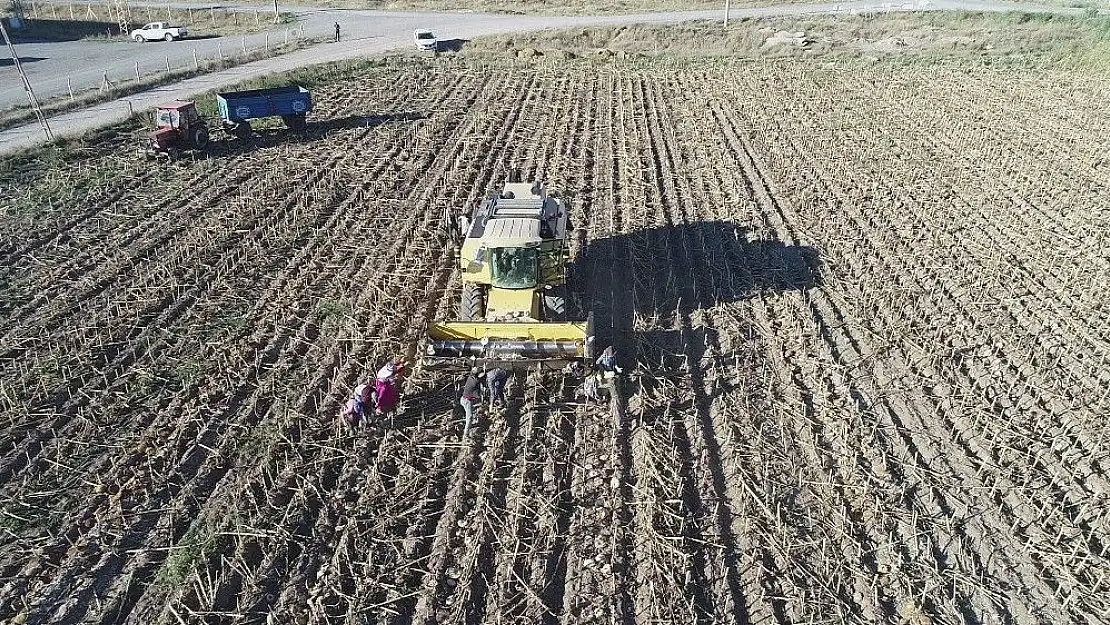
(168, 37)
(200, 138)
(294, 122)
(555, 304)
(472, 303)
(173, 153)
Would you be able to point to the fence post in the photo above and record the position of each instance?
(69, 84)
(286, 42)
(267, 42)
(167, 63)
(243, 45)
(220, 52)
(196, 63)
(136, 71)
(106, 86)
(130, 109)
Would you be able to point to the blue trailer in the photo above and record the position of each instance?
(237, 108)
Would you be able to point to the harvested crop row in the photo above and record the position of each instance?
(840, 405)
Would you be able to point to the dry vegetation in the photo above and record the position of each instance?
(864, 299)
(1081, 41)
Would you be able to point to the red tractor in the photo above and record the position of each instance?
(179, 128)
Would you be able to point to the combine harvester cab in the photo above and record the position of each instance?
(516, 308)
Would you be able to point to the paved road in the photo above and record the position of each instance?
(365, 33)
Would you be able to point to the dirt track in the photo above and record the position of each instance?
(870, 361)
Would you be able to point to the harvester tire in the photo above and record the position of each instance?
(471, 302)
(555, 304)
(241, 130)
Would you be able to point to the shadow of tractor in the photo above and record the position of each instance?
(274, 133)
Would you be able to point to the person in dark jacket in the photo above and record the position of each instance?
(471, 396)
(496, 379)
(337, 32)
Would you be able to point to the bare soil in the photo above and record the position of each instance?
(861, 305)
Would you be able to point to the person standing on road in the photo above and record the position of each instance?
(337, 32)
(496, 378)
(471, 397)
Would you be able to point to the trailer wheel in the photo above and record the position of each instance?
(241, 130)
(472, 303)
(294, 122)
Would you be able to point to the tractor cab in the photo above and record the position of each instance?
(179, 116)
(179, 127)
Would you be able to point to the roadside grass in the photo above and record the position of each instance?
(993, 38)
(57, 21)
(22, 114)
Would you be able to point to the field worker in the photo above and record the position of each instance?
(357, 408)
(496, 378)
(471, 395)
(386, 396)
(337, 32)
(607, 361)
(392, 370)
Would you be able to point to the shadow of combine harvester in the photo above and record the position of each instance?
(663, 276)
(661, 296)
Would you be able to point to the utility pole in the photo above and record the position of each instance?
(27, 85)
(728, 6)
(123, 15)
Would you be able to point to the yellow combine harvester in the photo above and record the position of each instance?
(516, 307)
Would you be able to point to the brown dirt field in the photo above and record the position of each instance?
(862, 303)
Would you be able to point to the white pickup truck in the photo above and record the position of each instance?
(158, 30)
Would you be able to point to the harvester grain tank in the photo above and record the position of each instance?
(516, 307)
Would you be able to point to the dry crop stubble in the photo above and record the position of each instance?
(867, 363)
